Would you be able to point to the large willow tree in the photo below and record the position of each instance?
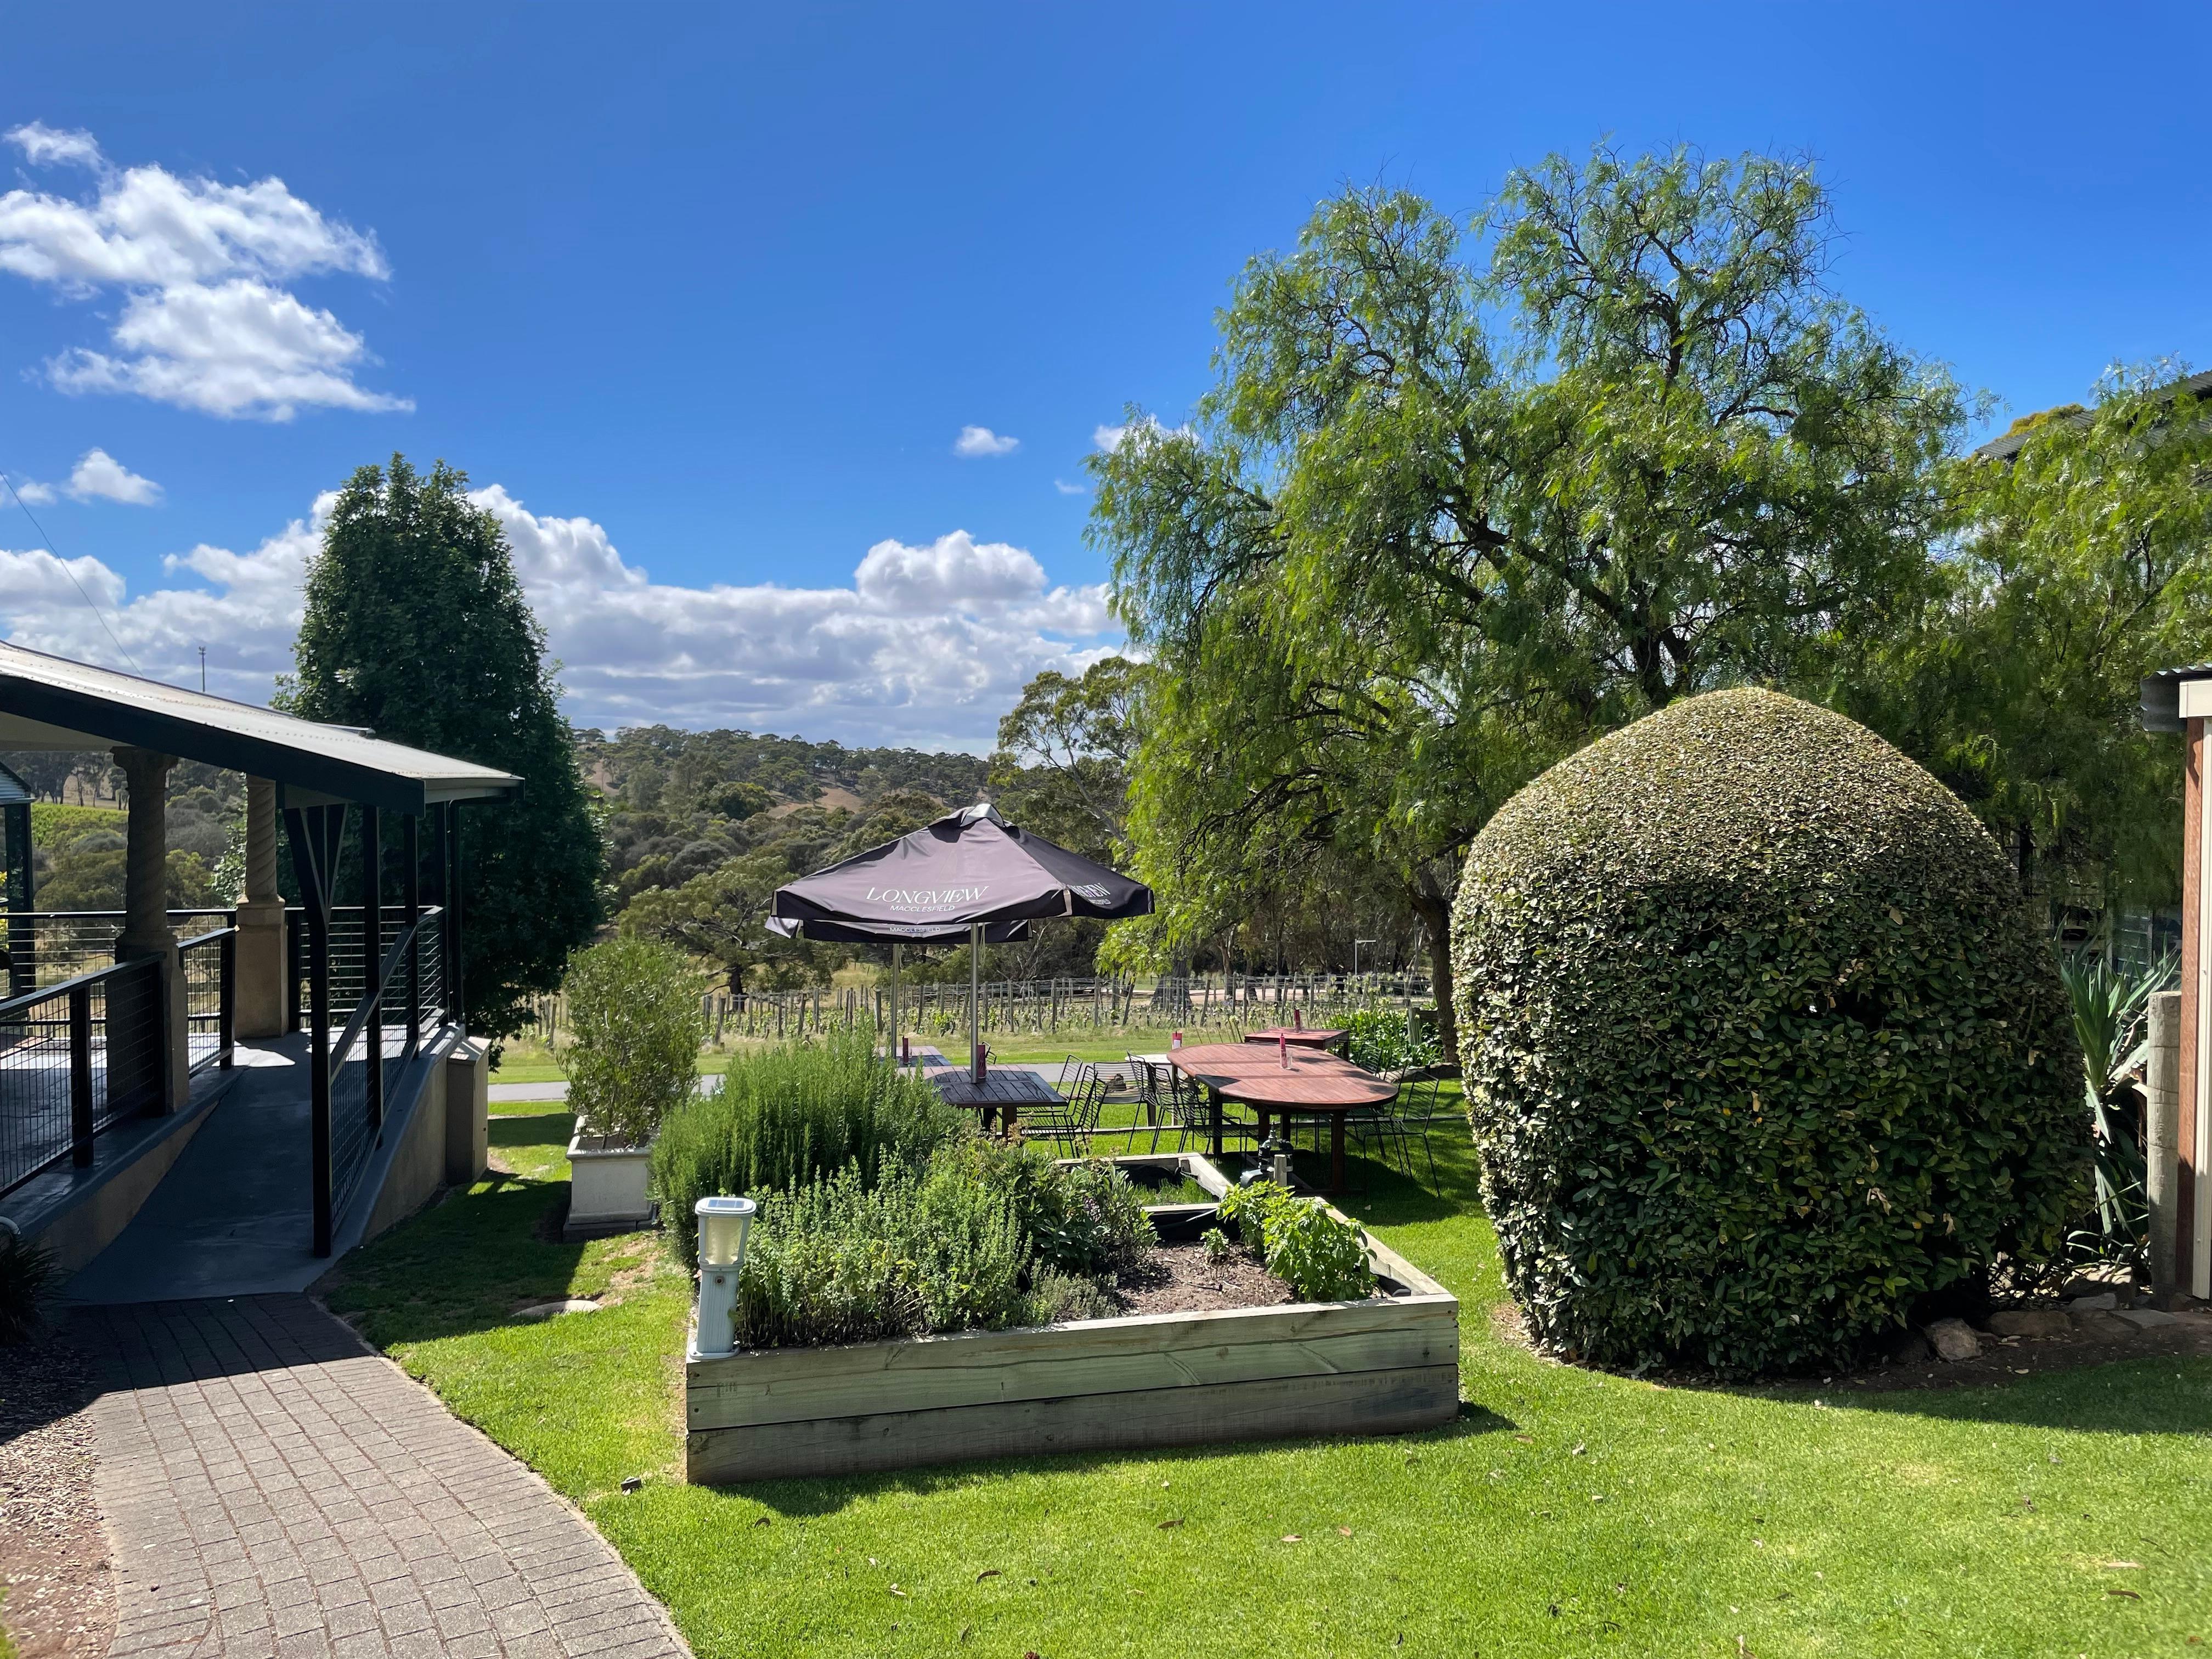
(1463, 497)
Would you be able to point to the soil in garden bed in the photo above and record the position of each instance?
(1180, 1278)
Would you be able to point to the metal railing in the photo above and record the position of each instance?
(407, 992)
(46, 947)
(210, 973)
(348, 962)
(76, 1058)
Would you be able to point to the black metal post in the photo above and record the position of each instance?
(456, 998)
(226, 1022)
(410, 897)
(372, 949)
(80, 1020)
(441, 853)
(313, 856)
(23, 935)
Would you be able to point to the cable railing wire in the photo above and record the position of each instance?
(76, 1058)
(358, 1110)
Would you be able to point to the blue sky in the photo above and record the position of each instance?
(705, 297)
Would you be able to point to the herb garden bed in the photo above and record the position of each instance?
(1382, 1366)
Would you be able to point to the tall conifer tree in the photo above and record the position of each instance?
(417, 628)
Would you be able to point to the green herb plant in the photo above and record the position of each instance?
(1321, 1257)
(977, 1237)
(790, 1114)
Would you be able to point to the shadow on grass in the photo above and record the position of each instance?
(798, 1499)
(537, 1129)
(2146, 1395)
(462, 1265)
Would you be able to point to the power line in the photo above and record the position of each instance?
(89, 601)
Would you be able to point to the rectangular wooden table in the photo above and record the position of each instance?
(1004, 1091)
(1316, 1083)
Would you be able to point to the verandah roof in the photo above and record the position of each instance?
(52, 703)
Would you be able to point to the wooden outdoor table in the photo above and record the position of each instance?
(1301, 1036)
(1002, 1091)
(1318, 1085)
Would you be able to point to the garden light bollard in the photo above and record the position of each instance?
(2162, 1140)
(723, 1225)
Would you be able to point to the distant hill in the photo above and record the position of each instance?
(640, 763)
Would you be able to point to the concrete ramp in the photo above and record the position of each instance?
(232, 1217)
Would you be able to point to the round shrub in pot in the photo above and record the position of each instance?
(634, 1013)
(1762, 1048)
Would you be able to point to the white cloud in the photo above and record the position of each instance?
(32, 493)
(927, 644)
(47, 146)
(239, 348)
(1066, 488)
(979, 440)
(99, 474)
(1110, 438)
(206, 322)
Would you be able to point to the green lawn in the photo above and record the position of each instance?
(531, 1063)
(1564, 1513)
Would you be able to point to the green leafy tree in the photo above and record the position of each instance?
(721, 915)
(417, 627)
(1443, 517)
(2080, 568)
(1065, 750)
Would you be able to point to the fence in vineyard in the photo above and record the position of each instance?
(1036, 1008)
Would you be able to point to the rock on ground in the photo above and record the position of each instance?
(1954, 1339)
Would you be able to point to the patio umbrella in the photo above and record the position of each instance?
(971, 870)
(899, 934)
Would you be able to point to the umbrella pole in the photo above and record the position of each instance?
(975, 1003)
(894, 1045)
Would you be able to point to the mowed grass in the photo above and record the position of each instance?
(1565, 1512)
(531, 1062)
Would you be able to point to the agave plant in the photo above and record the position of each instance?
(26, 1277)
(2111, 1021)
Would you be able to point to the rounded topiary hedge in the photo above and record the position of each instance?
(1761, 1045)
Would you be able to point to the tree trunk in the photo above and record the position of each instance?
(1434, 908)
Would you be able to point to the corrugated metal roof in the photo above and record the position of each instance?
(52, 702)
(14, 792)
(2160, 704)
(2004, 448)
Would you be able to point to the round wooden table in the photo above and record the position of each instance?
(1315, 1083)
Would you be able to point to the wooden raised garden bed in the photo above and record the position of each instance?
(1382, 1366)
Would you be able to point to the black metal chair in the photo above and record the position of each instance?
(1397, 1120)
(1071, 1120)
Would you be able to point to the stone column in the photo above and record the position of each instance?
(146, 931)
(260, 1009)
(2162, 1144)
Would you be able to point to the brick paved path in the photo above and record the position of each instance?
(273, 1489)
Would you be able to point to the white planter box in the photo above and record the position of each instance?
(608, 1187)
